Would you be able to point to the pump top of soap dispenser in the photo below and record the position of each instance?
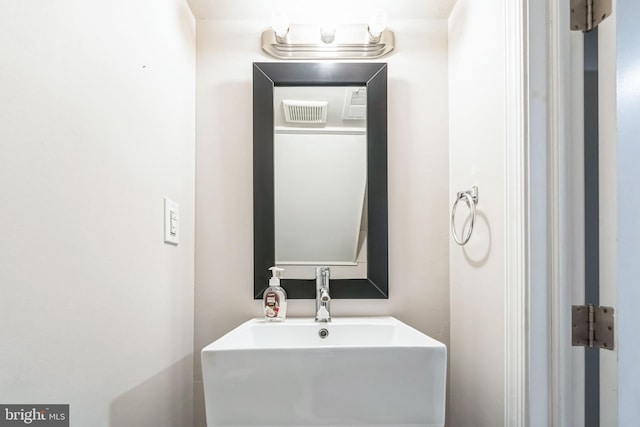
(275, 278)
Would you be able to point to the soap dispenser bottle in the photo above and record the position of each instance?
(275, 298)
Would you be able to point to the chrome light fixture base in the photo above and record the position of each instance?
(351, 42)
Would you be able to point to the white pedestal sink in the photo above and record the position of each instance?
(369, 371)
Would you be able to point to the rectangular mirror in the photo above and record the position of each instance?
(320, 180)
(320, 176)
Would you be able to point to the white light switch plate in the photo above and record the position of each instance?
(171, 222)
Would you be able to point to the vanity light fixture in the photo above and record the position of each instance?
(307, 41)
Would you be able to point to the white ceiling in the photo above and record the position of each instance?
(300, 11)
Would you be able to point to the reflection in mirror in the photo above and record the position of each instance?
(320, 175)
(321, 158)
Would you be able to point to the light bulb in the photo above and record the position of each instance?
(377, 24)
(280, 25)
(328, 33)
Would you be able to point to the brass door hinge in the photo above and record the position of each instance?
(592, 326)
(587, 14)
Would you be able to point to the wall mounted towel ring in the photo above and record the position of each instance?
(471, 198)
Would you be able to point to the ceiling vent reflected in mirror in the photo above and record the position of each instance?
(306, 112)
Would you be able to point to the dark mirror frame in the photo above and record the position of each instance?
(268, 75)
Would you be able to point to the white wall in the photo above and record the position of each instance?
(318, 215)
(97, 118)
(477, 157)
(418, 173)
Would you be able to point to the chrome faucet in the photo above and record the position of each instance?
(323, 312)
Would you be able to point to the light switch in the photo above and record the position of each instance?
(171, 222)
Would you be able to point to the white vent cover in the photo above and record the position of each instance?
(355, 104)
(305, 111)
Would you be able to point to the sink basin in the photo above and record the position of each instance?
(367, 371)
